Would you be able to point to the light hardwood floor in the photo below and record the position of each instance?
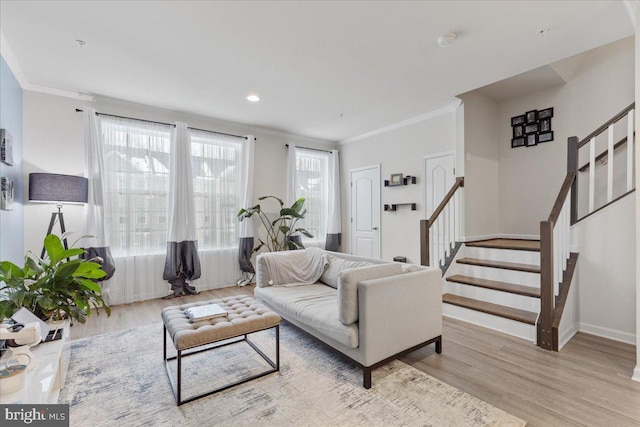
(587, 383)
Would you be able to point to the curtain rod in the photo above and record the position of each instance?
(312, 149)
(78, 110)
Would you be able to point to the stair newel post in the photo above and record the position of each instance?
(572, 166)
(545, 321)
(424, 242)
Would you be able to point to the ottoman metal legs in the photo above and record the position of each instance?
(176, 387)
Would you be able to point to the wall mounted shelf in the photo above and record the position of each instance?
(394, 207)
(405, 181)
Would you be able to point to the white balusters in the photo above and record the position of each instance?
(609, 159)
(610, 164)
(592, 173)
(446, 234)
(445, 231)
(434, 261)
(457, 219)
(630, 148)
(561, 243)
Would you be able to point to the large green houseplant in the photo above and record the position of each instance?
(62, 285)
(281, 231)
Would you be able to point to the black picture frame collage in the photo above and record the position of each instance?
(532, 128)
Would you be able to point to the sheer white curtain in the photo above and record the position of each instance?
(308, 177)
(182, 262)
(136, 160)
(218, 190)
(94, 214)
(292, 174)
(334, 217)
(245, 246)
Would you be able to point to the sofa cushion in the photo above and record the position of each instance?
(335, 267)
(313, 305)
(348, 288)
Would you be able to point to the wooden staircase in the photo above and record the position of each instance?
(496, 283)
(523, 287)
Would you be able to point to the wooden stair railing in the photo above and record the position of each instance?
(589, 142)
(554, 252)
(438, 234)
(557, 263)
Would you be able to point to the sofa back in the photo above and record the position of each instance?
(348, 287)
(262, 271)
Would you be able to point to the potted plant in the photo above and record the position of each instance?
(282, 231)
(62, 285)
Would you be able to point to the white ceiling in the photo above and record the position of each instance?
(375, 62)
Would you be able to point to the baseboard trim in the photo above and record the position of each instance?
(519, 236)
(500, 236)
(636, 374)
(611, 334)
(477, 238)
(566, 337)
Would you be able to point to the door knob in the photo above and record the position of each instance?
(375, 228)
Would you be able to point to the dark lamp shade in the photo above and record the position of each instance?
(52, 187)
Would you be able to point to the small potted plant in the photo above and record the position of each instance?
(61, 286)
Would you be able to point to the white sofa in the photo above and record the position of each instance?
(369, 310)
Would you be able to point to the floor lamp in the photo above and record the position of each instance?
(58, 189)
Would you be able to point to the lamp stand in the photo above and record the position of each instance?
(62, 228)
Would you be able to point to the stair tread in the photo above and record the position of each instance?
(513, 244)
(512, 288)
(530, 268)
(523, 316)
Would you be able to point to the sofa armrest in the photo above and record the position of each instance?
(262, 272)
(399, 312)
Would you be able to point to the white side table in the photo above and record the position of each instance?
(44, 382)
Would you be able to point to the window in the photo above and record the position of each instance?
(217, 164)
(136, 185)
(312, 183)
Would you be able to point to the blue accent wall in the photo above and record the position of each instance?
(12, 221)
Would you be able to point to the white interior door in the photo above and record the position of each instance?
(439, 177)
(365, 212)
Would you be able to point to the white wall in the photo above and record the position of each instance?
(636, 373)
(53, 142)
(509, 191)
(601, 85)
(481, 168)
(398, 150)
(12, 221)
(606, 271)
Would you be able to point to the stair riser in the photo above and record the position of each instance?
(505, 255)
(497, 297)
(509, 276)
(507, 326)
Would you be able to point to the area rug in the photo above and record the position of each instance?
(119, 379)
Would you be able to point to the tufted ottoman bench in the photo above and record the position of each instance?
(246, 316)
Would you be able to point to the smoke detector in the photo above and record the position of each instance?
(447, 39)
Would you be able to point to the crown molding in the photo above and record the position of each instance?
(16, 69)
(9, 57)
(410, 121)
(106, 104)
(59, 92)
(631, 6)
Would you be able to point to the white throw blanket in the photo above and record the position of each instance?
(301, 267)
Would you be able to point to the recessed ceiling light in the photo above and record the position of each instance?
(446, 39)
(81, 43)
(253, 98)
